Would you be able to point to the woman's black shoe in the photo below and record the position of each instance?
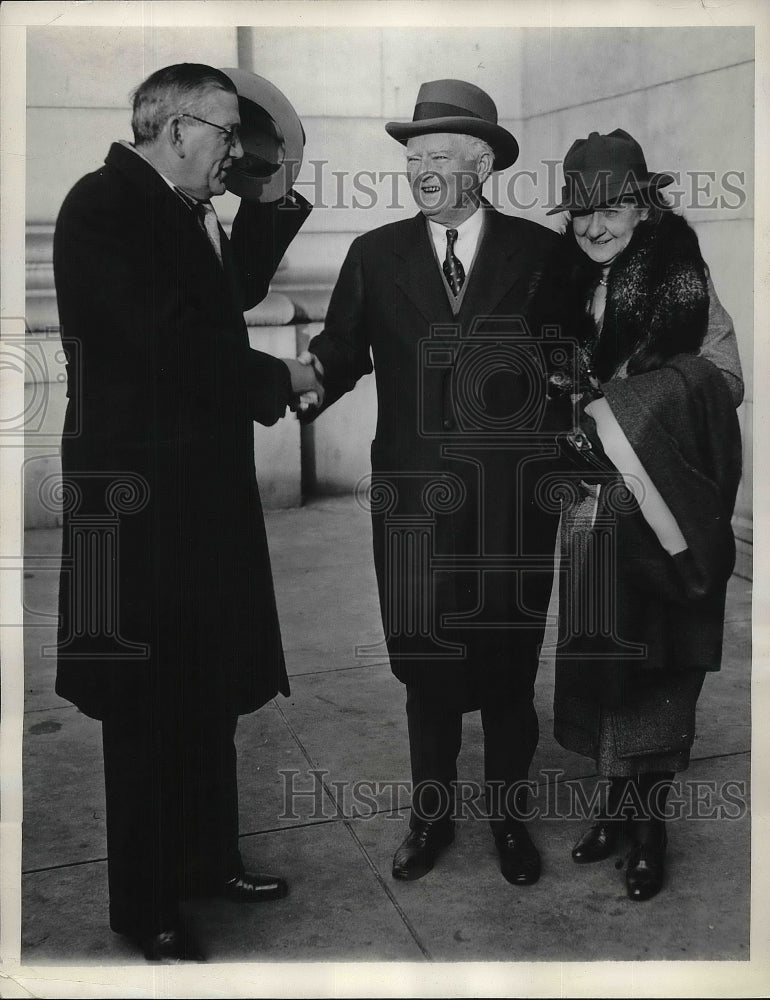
(598, 842)
(646, 865)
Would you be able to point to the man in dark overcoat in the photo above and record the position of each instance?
(463, 538)
(168, 624)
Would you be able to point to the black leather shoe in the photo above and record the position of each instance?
(419, 850)
(646, 867)
(598, 842)
(173, 945)
(519, 858)
(254, 887)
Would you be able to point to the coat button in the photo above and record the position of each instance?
(448, 423)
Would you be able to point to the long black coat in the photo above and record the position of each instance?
(667, 611)
(463, 545)
(166, 588)
(630, 614)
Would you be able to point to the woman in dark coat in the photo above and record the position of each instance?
(654, 465)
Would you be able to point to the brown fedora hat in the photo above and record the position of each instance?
(603, 169)
(462, 108)
(272, 137)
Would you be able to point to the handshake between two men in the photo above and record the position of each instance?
(307, 387)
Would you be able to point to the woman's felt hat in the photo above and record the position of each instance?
(604, 169)
(272, 137)
(462, 108)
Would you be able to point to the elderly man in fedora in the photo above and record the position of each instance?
(163, 392)
(463, 548)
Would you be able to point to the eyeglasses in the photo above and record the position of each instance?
(232, 133)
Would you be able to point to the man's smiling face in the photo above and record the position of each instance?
(444, 177)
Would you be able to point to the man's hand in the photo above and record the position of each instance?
(312, 398)
(305, 381)
(306, 358)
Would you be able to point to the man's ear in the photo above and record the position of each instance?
(175, 136)
(484, 166)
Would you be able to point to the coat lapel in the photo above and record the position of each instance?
(497, 268)
(176, 220)
(201, 259)
(230, 272)
(416, 273)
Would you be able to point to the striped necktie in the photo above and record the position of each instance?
(453, 268)
(208, 218)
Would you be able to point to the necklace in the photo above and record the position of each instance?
(603, 281)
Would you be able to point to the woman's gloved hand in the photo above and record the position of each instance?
(582, 449)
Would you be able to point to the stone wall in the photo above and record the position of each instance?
(685, 93)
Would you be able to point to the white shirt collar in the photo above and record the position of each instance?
(468, 234)
(471, 227)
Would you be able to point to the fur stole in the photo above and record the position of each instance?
(657, 298)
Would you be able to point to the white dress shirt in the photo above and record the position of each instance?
(468, 234)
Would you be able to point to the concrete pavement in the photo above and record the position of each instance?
(343, 722)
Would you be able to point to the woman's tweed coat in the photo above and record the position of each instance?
(660, 613)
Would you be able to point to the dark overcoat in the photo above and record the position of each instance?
(667, 612)
(166, 588)
(631, 615)
(463, 541)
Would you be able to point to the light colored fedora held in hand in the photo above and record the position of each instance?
(272, 137)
